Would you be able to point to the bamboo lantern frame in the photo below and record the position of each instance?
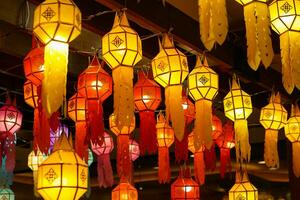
(31, 94)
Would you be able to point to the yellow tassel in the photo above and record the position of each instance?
(271, 153)
(294, 56)
(203, 124)
(207, 37)
(242, 146)
(173, 102)
(55, 76)
(296, 160)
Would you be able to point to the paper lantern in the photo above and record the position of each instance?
(217, 128)
(104, 169)
(95, 84)
(238, 107)
(134, 150)
(124, 191)
(199, 163)
(292, 132)
(203, 87)
(63, 175)
(54, 135)
(259, 43)
(121, 50)
(7, 194)
(56, 23)
(226, 142)
(184, 187)
(147, 98)
(284, 18)
(170, 68)
(77, 111)
(273, 117)
(165, 138)
(213, 22)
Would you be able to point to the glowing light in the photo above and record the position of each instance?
(187, 188)
(184, 106)
(146, 98)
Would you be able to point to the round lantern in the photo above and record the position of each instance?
(54, 135)
(10, 118)
(124, 191)
(134, 150)
(63, 175)
(272, 117)
(7, 194)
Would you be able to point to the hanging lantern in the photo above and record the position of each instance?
(226, 142)
(238, 107)
(199, 164)
(284, 19)
(95, 84)
(134, 150)
(203, 87)
(170, 68)
(104, 169)
(165, 138)
(7, 194)
(185, 187)
(124, 191)
(63, 175)
(77, 111)
(217, 128)
(54, 135)
(147, 98)
(56, 24)
(259, 43)
(273, 117)
(292, 132)
(121, 50)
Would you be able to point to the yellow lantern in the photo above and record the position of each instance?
(170, 68)
(292, 132)
(63, 175)
(285, 18)
(272, 117)
(56, 23)
(259, 43)
(203, 87)
(238, 107)
(121, 50)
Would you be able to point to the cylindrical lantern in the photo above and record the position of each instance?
(284, 19)
(203, 87)
(292, 132)
(147, 97)
(273, 117)
(104, 169)
(165, 138)
(56, 23)
(259, 43)
(121, 50)
(238, 107)
(54, 135)
(7, 194)
(124, 191)
(63, 175)
(170, 68)
(95, 84)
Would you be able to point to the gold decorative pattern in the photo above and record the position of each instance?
(286, 7)
(48, 14)
(51, 175)
(203, 79)
(117, 41)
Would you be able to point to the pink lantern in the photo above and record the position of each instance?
(134, 150)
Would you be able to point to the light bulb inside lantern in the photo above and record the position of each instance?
(184, 106)
(213, 127)
(187, 188)
(239, 113)
(124, 196)
(146, 98)
(230, 145)
(97, 84)
(41, 68)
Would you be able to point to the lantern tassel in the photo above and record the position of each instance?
(36, 129)
(296, 160)
(105, 172)
(203, 124)
(123, 157)
(181, 147)
(96, 124)
(210, 158)
(173, 95)
(164, 172)
(243, 148)
(44, 137)
(271, 153)
(225, 162)
(199, 167)
(147, 132)
(81, 144)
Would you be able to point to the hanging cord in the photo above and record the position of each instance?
(90, 17)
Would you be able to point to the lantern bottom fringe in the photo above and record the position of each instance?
(199, 167)
(271, 152)
(225, 161)
(124, 168)
(148, 141)
(242, 145)
(96, 124)
(296, 160)
(105, 172)
(164, 173)
(181, 147)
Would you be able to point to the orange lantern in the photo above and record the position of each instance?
(165, 138)
(95, 85)
(216, 127)
(124, 191)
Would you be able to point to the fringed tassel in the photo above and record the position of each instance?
(203, 124)
(199, 167)
(181, 147)
(296, 160)
(44, 135)
(242, 146)
(147, 132)
(105, 172)
(210, 158)
(123, 157)
(36, 129)
(96, 124)
(164, 172)
(81, 142)
(174, 110)
(225, 161)
(271, 153)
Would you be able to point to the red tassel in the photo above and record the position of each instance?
(210, 158)
(10, 152)
(81, 145)
(123, 158)
(96, 125)
(36, 129)
(163, 165)
(225, 160)
(199, 167)
(148, 140)
(54, 121)
(181, 148)
(105, 172)
(44, 137)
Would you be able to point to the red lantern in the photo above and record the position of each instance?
(216, 127)
(147, 97)
(124, 191)
(226, 142)
(104, 169)
(134, 150)
(95, 85)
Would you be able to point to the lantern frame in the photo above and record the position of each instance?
(292, 127)
(164, 133)
(185, 188)
(77, 108)
(35, 160)
(246, 2)
(106, 147)
(129, 191)
(125, 130)
(10, 119)
(243, 189)
(30, 94)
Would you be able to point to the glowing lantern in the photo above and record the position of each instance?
(203, 87)
(199, 164)
(56, 23)
(104, 169)
(124, 191)
(95, 84)
(272, 117)
(63, 175)
(213, 22)
(226, 142)
(284, 18)
(217, 128)
(165, 138)
(292, 132)
(238, 107)
(121, 50)
(170, 68)
(54, 135)
(147, 97)
(259, 43)
(134, 150)
(7, 194)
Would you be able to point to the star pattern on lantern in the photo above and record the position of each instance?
(203, 79)
(51, 175)
(11, 116)
(286, 7)
(117, 41)
(48, 14)
(83, 176)
(268, 114)
(161, 66)
(228, 104)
